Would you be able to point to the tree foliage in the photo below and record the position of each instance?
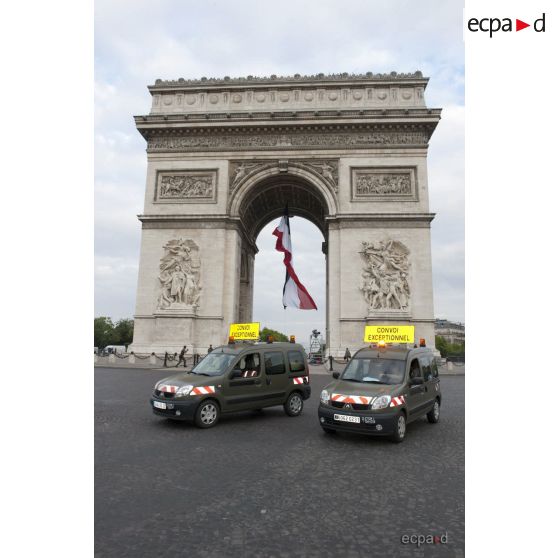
(277, 335)
(107, 333)
(449, 349)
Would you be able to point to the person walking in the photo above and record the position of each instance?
(347, 354)
(182, 357)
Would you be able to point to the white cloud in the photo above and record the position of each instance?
(139, 41)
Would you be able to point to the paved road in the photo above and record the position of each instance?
(267, 485)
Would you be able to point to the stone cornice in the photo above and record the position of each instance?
(250, 81)
(380, 220)
(294, 116)
(342, 220)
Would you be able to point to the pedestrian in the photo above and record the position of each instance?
(181, 357)
(347, 354)
(210, 348)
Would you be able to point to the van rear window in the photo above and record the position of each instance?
(274, 363)
(296, 361)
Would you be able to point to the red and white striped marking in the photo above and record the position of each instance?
(203, 390)
(396, 401)
(168, 389)
(300, 380)
(359, 399)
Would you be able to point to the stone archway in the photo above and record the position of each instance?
(260, 196)
(348, 153)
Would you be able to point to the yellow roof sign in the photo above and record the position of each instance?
(389, 334)
(245, 331)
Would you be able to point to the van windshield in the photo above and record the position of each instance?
(375, 370)
(214, 364)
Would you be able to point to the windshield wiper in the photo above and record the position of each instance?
(201, 373)
(351, 380)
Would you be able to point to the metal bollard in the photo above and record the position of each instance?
(166, 356)
(330, 363)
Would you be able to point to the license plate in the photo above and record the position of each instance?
(346, 418)
(159, 405)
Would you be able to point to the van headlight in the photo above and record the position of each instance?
(184, 390)
(324, 397)
(381, 402)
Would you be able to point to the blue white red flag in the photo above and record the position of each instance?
(295, 294)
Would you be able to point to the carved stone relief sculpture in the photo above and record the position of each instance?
(326, 169)
(179, 276)
(380, 184)
(186, 185)
(385, 277)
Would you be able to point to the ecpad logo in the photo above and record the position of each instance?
(494, 24)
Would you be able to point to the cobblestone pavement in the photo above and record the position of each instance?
(267, 485)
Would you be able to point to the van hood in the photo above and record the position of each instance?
(185, 379)
(367, 389)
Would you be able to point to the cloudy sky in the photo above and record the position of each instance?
(138, 41)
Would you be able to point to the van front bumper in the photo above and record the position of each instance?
(176, 409)
(377, 424)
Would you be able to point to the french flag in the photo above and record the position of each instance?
(295, 294)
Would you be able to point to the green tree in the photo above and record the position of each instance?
(451, 349)
(103, 331)
(123, 332)
(277, 335)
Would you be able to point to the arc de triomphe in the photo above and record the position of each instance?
(347, 152)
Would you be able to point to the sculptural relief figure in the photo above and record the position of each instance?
(186, 186)
(369, 184)
(384, 283)
(240, 171)
(179, 276)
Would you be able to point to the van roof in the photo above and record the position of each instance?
(392, 352)
(237, 348)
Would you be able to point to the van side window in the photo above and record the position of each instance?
(248, 366)
(296, 361)
(434, 366)
(415, 370)
(426, 368)
(274, 363)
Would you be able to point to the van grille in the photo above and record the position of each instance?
(164, 394)
(353, 406)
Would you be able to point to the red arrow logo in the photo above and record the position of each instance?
(519, 25)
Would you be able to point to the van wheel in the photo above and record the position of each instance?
(294, 404)
(207, 414)
(400, 428)
(434, 415)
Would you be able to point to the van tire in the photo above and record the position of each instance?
(433, 415)
(400, 428)
(294, 404)
(207, 414)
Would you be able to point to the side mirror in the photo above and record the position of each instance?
(335, 375)
(236, 374)
(416, 382)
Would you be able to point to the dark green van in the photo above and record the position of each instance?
(381, 390)
(236, 377)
